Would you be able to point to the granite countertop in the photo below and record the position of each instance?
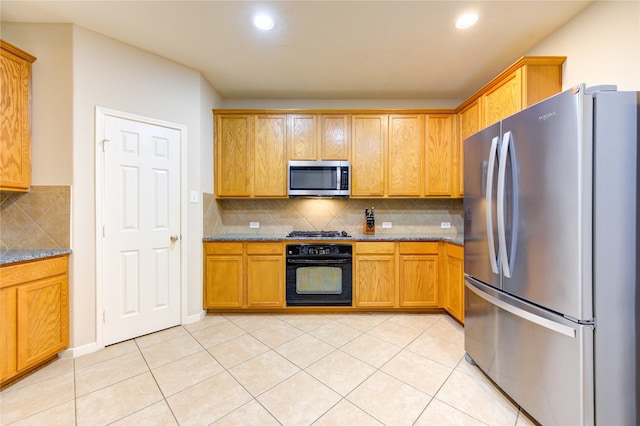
(451, 238)
(8, 256)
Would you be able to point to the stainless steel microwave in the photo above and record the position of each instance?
(319, 178)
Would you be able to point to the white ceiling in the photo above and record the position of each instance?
(321, 49)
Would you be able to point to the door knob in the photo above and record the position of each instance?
(174, 238)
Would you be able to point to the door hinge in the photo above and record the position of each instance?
(104, 316)
(103, 142)
(104, 231)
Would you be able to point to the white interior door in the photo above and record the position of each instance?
(141, 232)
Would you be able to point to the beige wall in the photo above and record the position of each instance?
(98, 71)
(602, 45)
(279, 217)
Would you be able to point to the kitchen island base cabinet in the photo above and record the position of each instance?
(34, 314)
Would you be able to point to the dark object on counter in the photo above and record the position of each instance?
(369, 221)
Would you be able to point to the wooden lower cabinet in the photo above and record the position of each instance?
(34, 315)
(265, 275)
(386, 275)
(243, 274)
(374, 283)
(418, 283)
(453, 280)
(223, 274)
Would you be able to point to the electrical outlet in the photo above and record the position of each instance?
(445, 225)
(387, 225)
(254, 225)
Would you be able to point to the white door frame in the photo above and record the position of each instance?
(100, 115)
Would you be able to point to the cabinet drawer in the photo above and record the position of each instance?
(264, 248)
(223, 248)
(25, 272)
(375, 247)
(414, 247)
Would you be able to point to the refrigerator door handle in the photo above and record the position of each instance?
(507, 259)
(488, 204)
(528, 316)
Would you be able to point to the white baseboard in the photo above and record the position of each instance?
(194, 318)
(79, 351)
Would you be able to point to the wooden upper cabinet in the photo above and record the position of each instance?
(527, 81)
(270, 165)
(369, 155)
(439, 154)
(503, 100)
(233, 160)
(406, 153)
(15, 126)
(335, 141)
(468, 124)
(302, 137)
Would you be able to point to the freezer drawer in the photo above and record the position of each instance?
(543, 361)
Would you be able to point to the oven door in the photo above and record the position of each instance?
(319, 282)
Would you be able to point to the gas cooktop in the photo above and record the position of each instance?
(318, 234)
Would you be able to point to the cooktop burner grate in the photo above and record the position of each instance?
(318, 234)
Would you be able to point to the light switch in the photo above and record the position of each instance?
(193, 196)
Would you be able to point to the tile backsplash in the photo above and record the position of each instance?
(39, 218)
(416, 216)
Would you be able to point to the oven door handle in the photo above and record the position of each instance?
(317, 261)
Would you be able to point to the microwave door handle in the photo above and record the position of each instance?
(489, 207)
(339, 180)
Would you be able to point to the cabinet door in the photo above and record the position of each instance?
(302, 137)
(504, 99)
(265, 281)
(15, 138)
(270, 167)
(454, 281)
(43, 319)
(233, 155)
(469, 123)
(369, 154)
(406, 151)
(223, 281)
(334, 137)
(8, 333)
(439, 155)
(418, 280)
(375, 281)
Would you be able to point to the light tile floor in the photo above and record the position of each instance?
(355, 369)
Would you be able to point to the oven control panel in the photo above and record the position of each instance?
(323, 250)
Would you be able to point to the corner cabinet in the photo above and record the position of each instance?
(15, 126)
(34, 315)
(233, 155)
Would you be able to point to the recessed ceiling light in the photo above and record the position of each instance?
(466, 21)
(263, 21)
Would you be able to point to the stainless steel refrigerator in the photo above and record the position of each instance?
(551, 246)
